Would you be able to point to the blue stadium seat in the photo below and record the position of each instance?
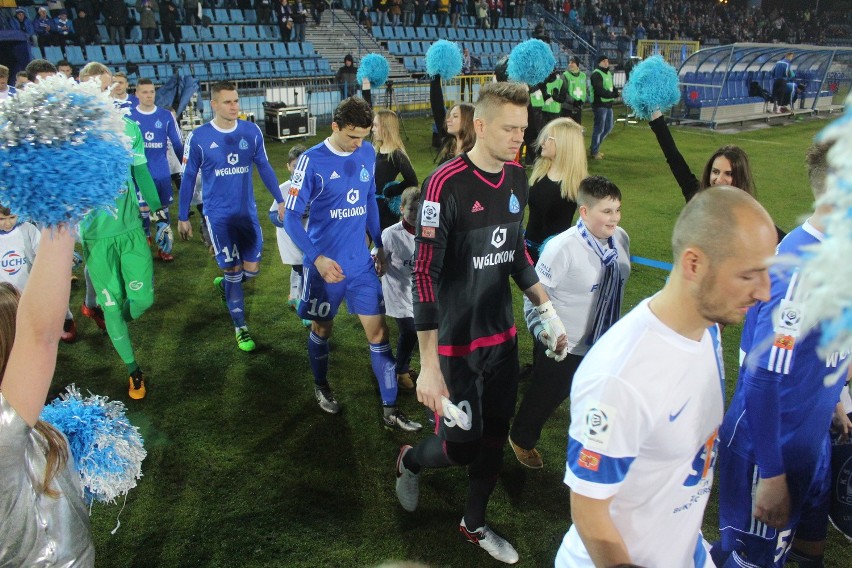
(310, 66)
(280, 50)
(151, 54)
(394, 48)
(251, 51)
(263, 33)
(218, 50)
(235, 50)
(250, 33)
(324, 67)
(133, 53)
(410, 33)
(281, 68)
(188, 33)
(265, 69)
(164, 72)
(420, 33)
(217, 71)
(112, 53)
(205, 33)
(220, 16)
(307, 48)
(250, 16)
(169, 52)
(265, 49)
(53, 53)
(296, 68)
(251, 70)
(147, 71)
(220, 33)
(75, 56)
(236, 16)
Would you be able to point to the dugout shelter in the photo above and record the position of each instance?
(733, 83)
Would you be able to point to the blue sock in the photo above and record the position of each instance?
(249, 274)
(318, 355)
(384, 367)
(234, 295)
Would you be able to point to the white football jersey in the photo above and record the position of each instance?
(396, 283)
(17, 252)
(646, 404)
(290, 253)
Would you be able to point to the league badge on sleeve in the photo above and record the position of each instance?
(788, 320)
(597, 428)
(430, 214)
(514, 204)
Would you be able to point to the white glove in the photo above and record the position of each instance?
(553, 331)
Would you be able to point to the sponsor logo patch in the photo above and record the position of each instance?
(477, 207)
(233, 159)
(589, 460)
(785, 342)
(428, 232)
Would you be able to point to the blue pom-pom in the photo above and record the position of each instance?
(444, 58)
(54, 127)
(531, 62)
(375, 68)
(653, 86)
(107, 450)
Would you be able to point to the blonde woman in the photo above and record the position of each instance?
(45, 520)
(391, 161)
(554, 182)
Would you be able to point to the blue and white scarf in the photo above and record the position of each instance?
(608, 308)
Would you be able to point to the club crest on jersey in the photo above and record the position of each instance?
(149, 136)
(233, 159)
(243, 144)
(514, 204)
(430, 213)
(158, 124)
(365, 175)
(12, 262)
(352, 196)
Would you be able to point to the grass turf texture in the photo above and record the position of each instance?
(243, 469)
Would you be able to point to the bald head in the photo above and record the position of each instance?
(719, 221)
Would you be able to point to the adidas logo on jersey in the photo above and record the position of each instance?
(334, 175)
(213, 145)
(477, 207)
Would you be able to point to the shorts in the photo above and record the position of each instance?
(120, 268)
(235, 240)
(164, 190)
(321, 300)
(484, 384)
(755, 542)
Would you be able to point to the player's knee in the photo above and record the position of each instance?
(142, 303)
(462, 453)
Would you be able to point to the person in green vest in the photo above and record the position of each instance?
(576, 91)
(554, 96)
(603, 93)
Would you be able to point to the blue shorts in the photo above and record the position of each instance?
(164, 190)
(753, 541)
(235, 240)
(321, 300)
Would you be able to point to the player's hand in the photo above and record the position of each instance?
(379, 260)
(185, 230)
(431, 387)
(553, 336)
(840, 422)
(281, 210)
(329, 269)
(772, 501)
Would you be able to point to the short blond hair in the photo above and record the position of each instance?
(93, 69)
(4, 71)
(495, 95)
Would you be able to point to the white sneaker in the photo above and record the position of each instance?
(490, 542)
(325, 399)
(407, 483)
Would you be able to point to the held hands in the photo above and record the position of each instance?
(165, 236)
(772, 501)
(553, 336)
(185, 230)
(379, 261)
(329, 269)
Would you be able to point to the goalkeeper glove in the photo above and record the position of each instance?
(76, 261)
(165, 236)
(553, 330)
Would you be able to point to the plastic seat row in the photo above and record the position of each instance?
(235, 70)
(453, 34)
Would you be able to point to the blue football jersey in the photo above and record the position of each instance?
(158, 126)
(774, 342)
(338, 188)
(225, 160)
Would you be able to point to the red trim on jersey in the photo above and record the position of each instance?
(485, 181)
(490, 341)
(436, 182)
(425, 290)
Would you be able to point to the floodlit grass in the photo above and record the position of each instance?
(243, 469)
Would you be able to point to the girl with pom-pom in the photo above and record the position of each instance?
(728, 165)
(391, 161)
(45, 519)
(554, 182)
(454, 129)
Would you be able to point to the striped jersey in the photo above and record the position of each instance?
(469, 241)
(778, 348)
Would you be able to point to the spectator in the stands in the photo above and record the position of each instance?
(87, 28)
(540, 31)
(456, 10)
(115, 12)
(169, 22)
(443, 11)
(264, 11)
(147, 20)
(482, 14)
(394, 12)
(42, 26)
(20, 22)
(573, 17)
(191, 12)
(381, 12)
(300, 20)
(495, 10)
(317, 8)
(408, 12)
(62, 30)
(284, 19)
(346, 78)
(364, 19)
(420, 8)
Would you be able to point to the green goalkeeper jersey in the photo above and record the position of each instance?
(102, 223)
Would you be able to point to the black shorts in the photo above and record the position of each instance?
(484, 384)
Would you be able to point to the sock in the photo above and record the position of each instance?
(405, 345)
(233, 283)
(295, 284)
(68, 314)
(384, 367)
(482, 478)
(249, 274)
(91, 296)
(116, 328)
(431, 453)
(318, 355)
(132, 367)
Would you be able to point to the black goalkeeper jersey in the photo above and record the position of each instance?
(469, 240)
